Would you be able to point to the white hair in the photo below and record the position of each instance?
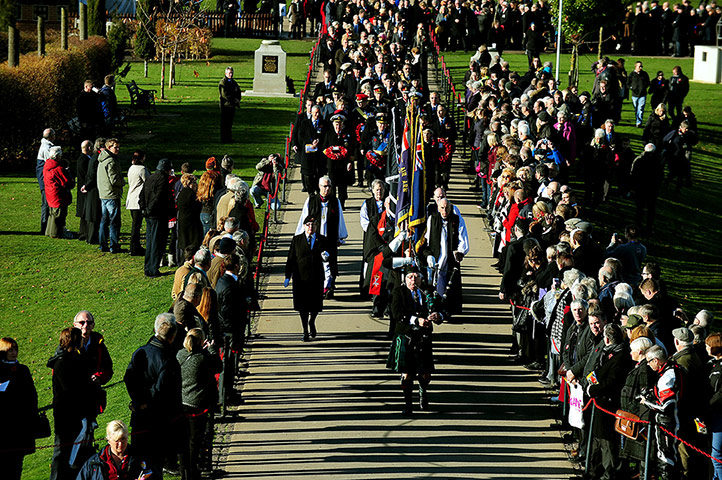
(641, 345)
(165, 326)
(55, 153)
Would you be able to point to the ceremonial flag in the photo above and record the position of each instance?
(403, 196)
(417, 211)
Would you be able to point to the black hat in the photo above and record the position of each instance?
(309, 218)
(585, 94)
(544, 117)
(411, 269)
(226, 245)
(164, 165)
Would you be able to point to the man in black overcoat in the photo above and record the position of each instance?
(304, 266)
(230, 99)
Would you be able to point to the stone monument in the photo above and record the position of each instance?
(269, 79)
(707, 64)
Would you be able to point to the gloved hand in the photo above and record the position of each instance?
(430, 261)
(458, 256)
(325, 256)
(286, 282)
(398, 262)
(396, 242)
(404, 234)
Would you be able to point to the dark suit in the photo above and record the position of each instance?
(304, 267)
(311, 168)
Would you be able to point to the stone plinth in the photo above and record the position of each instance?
(707, 64)
(269, 79)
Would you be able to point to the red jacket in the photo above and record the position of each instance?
(58, 183)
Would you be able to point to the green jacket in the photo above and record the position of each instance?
(110, 179)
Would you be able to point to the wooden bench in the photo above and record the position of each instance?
(140, 98)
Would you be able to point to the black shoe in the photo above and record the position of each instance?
(152, 275)
(544, 381)
(407, 411)
(313, 330)
(424, 403)
(305, 337)
(534, 366)
(569, 438)
(139, 252)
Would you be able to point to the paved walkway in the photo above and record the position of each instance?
(330, 409)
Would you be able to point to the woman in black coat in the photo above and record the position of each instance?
(190, 228)
(74, 399)
(92, 200)
(18, 410)
(657, 126)
(305, 267)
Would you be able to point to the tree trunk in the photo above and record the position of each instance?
(13, 46)
(83, 21)
(171, 70)
(174, 66)
(145, 68)
(601, 38)
(574, 66)
(162, 75)
(41, 36)
(63, 28)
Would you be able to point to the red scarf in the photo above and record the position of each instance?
(377, 276)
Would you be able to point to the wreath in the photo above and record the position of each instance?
(337, 152)
(447, 148)
(376, 159)
(359, 130)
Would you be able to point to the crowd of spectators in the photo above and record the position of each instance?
(572, 298)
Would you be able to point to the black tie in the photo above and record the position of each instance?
(309, 241)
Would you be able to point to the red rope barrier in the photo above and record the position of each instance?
(518, 306)
(645, 422)
(689, 444)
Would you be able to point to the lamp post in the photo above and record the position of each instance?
(559, 41)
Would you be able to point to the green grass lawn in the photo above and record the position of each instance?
(687, 224)
(46, 281)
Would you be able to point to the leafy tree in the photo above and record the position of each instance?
(7, 14)
(118, 37)
(144, 45)
(584, 20)
(96, 17)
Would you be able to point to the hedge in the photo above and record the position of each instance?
(42, 92)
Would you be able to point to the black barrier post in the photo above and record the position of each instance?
(648, 449)
(589, 441)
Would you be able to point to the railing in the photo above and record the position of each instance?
(455, 102)
(272, 198)
(262, 25)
